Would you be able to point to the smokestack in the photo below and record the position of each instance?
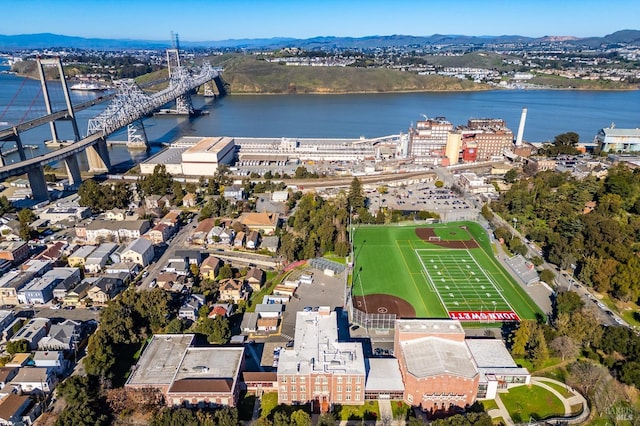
(523, 119)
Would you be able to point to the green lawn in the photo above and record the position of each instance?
(560, 388)
(489, 404)
(367, 411)
(391, 260)
(524, 402)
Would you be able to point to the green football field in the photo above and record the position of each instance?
(463, 283)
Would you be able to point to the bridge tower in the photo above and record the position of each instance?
(57, 63)
(177, 76)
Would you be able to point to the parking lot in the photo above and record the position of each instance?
(324, 291)
(423, 196)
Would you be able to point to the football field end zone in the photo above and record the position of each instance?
(405, 240)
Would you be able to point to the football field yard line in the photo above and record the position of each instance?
(429, 280)
(412, 274)
(493, 283)
(459, 287)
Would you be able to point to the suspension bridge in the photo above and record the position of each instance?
(127, 107)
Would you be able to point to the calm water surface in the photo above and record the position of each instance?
(550, 112)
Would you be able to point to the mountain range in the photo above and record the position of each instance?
(48, 40)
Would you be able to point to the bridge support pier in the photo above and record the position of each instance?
(38, 184)
(137, 136)
(73, 171)
(220, 86)
(98, 157)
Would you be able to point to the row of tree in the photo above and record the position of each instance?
(554, 210)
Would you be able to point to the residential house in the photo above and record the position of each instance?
(33, 331)
(14, 251)
(166, 279)
(37, 267)
(280, 196)
(7, 319)
(192, 257)
(172, 218)
(116, 214)
(265, 222)
(190, 308)
(78, 257)
(210, 268)
(232, 289)
(41, 289)
(253, 240)
(10, 229)
(97, 260)
(75, 295)
(271, 310)
(102, 291)
(179, 267)
(271, 243)
(129, 268)
(267, 324)
(234, 192)
(152, 201)
(61, 337)
(51, 359)
(220, 235)
(6, 375)
(139, 251)
(53, 252)
(249, 323)
(224, 310)
(190, 200)
(239, 240)
(112, 231)
(255, 278)
(11, 283)
(18, 409)
(200, 233)
(160, 233)
(35, 380)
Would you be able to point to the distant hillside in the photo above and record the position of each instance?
(249, 75)
(47, 40)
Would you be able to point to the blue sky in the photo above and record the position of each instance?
(201, 20)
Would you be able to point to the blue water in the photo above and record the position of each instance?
(550, 112)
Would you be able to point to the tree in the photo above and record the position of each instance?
(567, 302)
(564, 346)
(25, 217)
(5, 205)
(300, 418)
(158, 183)
(225, 272)
(511, 176)
(216, 329)
(355, 198)
(439, 184)
(538, 351)
(521, 336)
(226, 416)
(326, 419)
(17, 346)
(547, 276)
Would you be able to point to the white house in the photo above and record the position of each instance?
(139, 251)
